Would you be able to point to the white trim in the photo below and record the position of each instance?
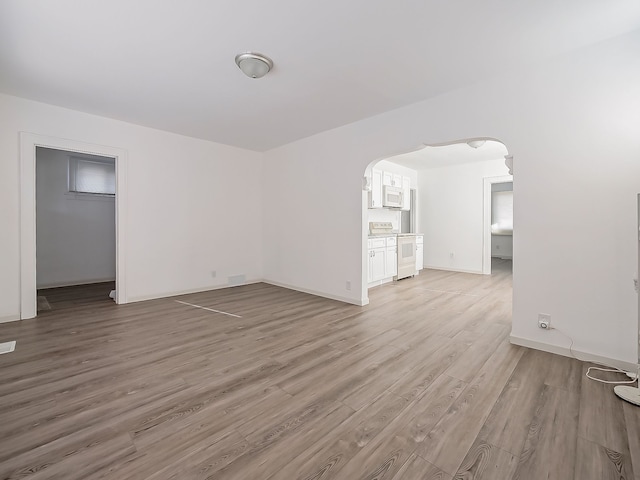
(28, 144)
(9, 318)
(486, 219)
(177, 293)
(564, 351)
(352, 301)
(451, 269)
(89, 281)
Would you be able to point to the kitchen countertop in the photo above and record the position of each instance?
(395, 234)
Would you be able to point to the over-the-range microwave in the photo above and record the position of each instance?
(391, 197)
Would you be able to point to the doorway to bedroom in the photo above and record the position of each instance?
(75, 229)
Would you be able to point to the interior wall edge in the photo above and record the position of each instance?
(156, 296)
(451, 269)
(9, 318)
(352, 301)
(579, 354)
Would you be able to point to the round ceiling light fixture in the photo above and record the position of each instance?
(254, 65)
(476, 143)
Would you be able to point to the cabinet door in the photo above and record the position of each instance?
(377, 264)
(419, 256)
(391, 262)
(370, 267)
(387, 178)
(375, 195)
(397, 180)
(406, 193)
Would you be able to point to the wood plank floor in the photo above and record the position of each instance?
(420, 384)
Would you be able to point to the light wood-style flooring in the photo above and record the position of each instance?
(420, 384)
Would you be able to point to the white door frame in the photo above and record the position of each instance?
(28, 144)
(486, 242)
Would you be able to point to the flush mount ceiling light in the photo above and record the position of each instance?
(476, 143)
(254, 65)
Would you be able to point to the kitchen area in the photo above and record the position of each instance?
(395, 249)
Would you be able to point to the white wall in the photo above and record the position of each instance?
(192, 206)
(572, 126)
(76, 234)
(451, 211)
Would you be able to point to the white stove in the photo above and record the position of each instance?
(381, 228)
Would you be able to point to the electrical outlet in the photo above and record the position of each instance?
(544, 321)
(451, 255)
(213, 274)
(348, 285)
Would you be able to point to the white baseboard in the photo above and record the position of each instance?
(580, 355)
(459, 270)
(74, 283)
(352, 301)
(9, 318)
(143, 298)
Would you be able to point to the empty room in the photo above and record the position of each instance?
(331, 240)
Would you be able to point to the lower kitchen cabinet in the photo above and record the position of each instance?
(419, 252)
(377, 264)
(383, 259)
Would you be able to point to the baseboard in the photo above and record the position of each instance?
(352, 301)
(9, 318)
(144, 298)
(580, 355)
(73, 284)
(459, 270)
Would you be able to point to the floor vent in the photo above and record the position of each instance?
(7, 347)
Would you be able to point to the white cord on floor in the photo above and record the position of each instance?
(608, 369)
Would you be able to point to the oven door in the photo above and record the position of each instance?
(406, 256)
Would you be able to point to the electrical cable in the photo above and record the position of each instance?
(609, 368)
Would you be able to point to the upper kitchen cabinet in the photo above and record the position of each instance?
(383, 177)
(375, 192)
(387, 178)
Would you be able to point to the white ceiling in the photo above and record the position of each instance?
(447, 155)
(170, 64)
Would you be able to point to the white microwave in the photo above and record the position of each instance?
(391, 197)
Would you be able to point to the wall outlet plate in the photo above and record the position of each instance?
(544, 321)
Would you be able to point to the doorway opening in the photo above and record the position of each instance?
(75, 229)
(29, 145)
(498, 225)
(447, 207)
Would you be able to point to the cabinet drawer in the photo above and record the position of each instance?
(377, 242)
(391, 241)
(419, 239)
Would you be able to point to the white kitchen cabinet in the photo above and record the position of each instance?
(397, 180)
(382, 259)
(419, 252)
(387, 179)
(406, 193)
(375, 194)
(377, 264)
